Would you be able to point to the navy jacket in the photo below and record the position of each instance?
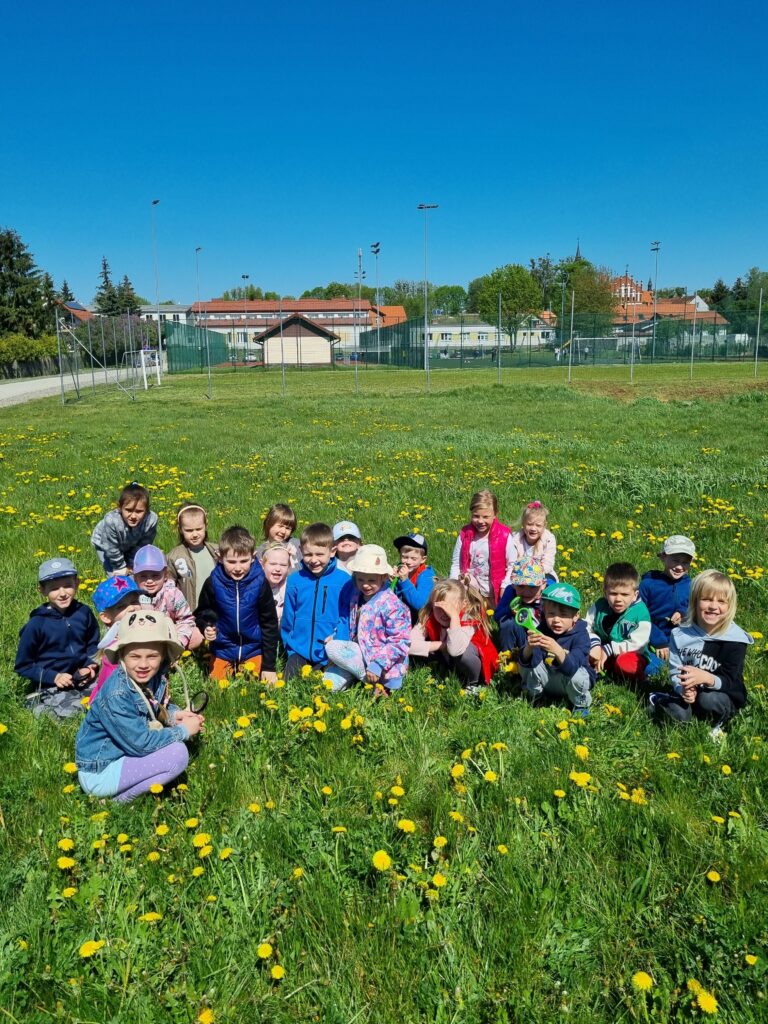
(247, 618)
(311, 611)
(722, 655)
(663, 597)
(54, 641)
(575, 642)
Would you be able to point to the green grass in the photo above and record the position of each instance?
(592, 888)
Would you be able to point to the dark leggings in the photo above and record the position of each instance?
(709, 704)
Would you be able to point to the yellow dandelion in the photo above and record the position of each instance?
(3, 728)
(319, 726)
(66, 844)
(153, 857)
(490, 776)
(161, 830)
(151, 917)
(581, 752)
(264, 951)
(726, 770)
(69, 788)
(65, 863)
(277, 973)
(706, 1002)
(503, 850)
(346, 723)
(750, 958)
(564, 734)
(457, 771)
(581, 779)
(673, 756)
(201, 839)
(713, 876)
(326, 791)
(559, 793)
(191, 822)
(718, 820)
(71, 768)
(381, 860)
(88, 949)
(244, 721)
(306, 671)
(438, 880)
(694, 986)
(439, 842)
(642, 981)
(69, 892)
(205, 1017)
(238, 734)
(406, 825)
(298, 872)
(397, 791)
(205, 851)
(156, 788)
(456, 816)
(226, 853)
(254, 808)
(198, 871)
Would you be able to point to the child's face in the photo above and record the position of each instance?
(620, 596)
(133, 511)
(192, 526)
(236, 565)
(142, 661)
(533, 528)
(559, 618)
(676, 566)
(276, 565)
(279, 532)
(529, 594)
(482, 519)
(60, 593)
(369, 583)
(346, 548)
(316, 557)
(412, 558)
(151, 580)
(711, 611)
(443, 609)
(114, 614)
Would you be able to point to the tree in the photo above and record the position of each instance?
(127, 299)
(450, 298)
(49, 299)
(520, 298)
(107, 300)
(544, 272)
(408, 294)
(21, 301)
(473, 294)
(65, 292)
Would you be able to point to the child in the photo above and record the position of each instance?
(706, 657)
(484, 551)
(526, 585)
(58, 646)
(415, 578)
(124, 530)
(454, 625)
(533, 539)
(191, 562)
(151, 574)
(279, 524)
(129, 741)
(238, 594)
(374, 632)
(311, 611)
(348, 540)
(666, 593)
(620, 626)
(555, 658)
(113, 599)
(276, 563)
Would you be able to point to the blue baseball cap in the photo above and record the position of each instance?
(411, 540)
(112, 591)
(55, 569)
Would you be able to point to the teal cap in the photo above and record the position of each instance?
(563, 593)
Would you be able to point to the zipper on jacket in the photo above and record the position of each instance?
(325, 598)
(237, 619)
(312, 625)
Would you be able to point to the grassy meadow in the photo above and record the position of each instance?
(430, 857)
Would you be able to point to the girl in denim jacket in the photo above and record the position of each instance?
(129, 740)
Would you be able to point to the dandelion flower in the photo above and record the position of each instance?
(153, 856)
(503, 850)
(457, 771)
(559, 793)
(706, 1002)
(406, 825)
(713, 876)
(66, 845)
(70, 891)
(161, 830)
(326, 791)
(750, 958)
(581, 751)
(673, 756)
(151, 917)
(490, 776)
(198, 871)
(191, 822)
(277, 973)
(397, 791)
(205, 1017)
(726, 770)
(71, 768)
(65, 863)
(381, 860)
(564, 734)
(201, 839)
(298, 872)
(642, 981)
(205, 851)
(581, 779)
(244, 721)
(306, 671)
(438, 880)
(3, 728)
(694, 986)
(439, 842)
(254, 808)
(718, 820)
(91, 947)
(319, 726)
(156, 788)
(226, 853)
(264, 951)
(456, 816)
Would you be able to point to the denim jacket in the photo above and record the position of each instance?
(117, 725)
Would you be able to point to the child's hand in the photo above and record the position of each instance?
(663, 653)
(689, 694)
(64, 681)
(402, 572)
(691, 676)
(193, 723)
(449, 606)
(676, 619)
(269, 677)
(210, 633)
(371, 677)
(598, 657)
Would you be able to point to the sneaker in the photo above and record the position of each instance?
(717, 734)
(658, 699)
(473, 691)
(346, 655)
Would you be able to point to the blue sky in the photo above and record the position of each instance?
(281, 139)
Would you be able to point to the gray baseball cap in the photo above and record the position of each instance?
(55, 569)
(677, 544)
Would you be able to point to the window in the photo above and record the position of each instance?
(445, 336)
(482, 336)
(175, 318)
(162, 317)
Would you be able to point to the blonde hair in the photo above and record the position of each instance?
(484, 499)
(470, 601)
(274, 546)
(534, 508)
(712, 583)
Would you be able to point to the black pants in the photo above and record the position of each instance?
(709, 704)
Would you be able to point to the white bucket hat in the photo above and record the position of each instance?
(372, 559)
(146, 626)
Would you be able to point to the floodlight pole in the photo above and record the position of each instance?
(693, 339)
(498, 345)
(376, 249)
(570, 343)
(157, 274)
(757, 336)
(655, 246)
(198, 250)
(426, 207)
(246, 278)
(282, 350)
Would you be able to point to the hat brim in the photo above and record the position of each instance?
(375, 570)
(175, 650)
(402, 542)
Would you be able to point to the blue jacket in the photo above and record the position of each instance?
(247, 618)
(414, 595)
(575, 642)
(311, 611)
(663, 597)
(117, 724)
(54, 641)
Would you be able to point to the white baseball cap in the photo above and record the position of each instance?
(346, 529)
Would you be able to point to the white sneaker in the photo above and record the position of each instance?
(717, 734)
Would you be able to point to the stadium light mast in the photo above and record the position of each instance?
(655, 246)
(153, 207)
(245, 277)
(376, 249)
(426, 207)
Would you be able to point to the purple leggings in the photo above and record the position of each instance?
(139, 773)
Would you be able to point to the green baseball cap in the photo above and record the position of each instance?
(563, 593)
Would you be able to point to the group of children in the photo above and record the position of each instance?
(328, 601)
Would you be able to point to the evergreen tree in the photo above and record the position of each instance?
(107, 300)
(65, 292)
(127, 299)
(21, 301)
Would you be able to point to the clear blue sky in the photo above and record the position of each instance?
(282, 138)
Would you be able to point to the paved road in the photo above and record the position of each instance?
(16, 392)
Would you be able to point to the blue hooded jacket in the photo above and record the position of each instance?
(311, 611)
(54, 641)
(247, 619)
(663, 597)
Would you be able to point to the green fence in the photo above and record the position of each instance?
(189, 348)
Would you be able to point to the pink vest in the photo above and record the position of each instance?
(497, 552)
